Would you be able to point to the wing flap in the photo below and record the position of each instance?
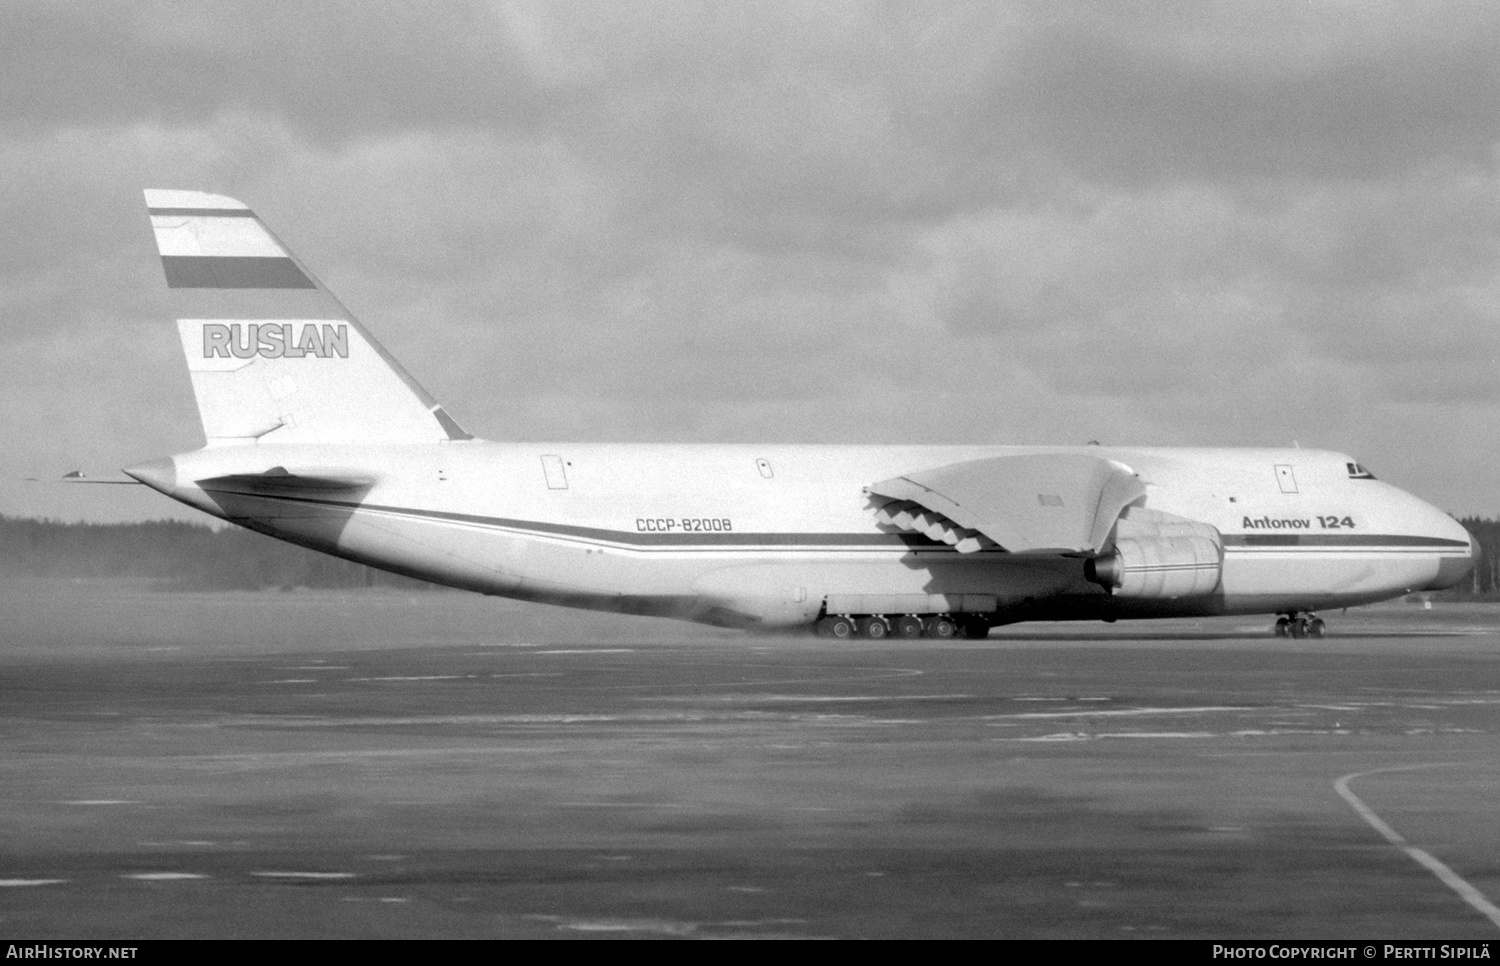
(1032, 503)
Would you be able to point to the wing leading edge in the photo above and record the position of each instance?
(1034, 503)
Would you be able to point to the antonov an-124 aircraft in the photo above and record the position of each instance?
(317, 436)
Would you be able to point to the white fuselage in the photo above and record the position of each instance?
(776, 535)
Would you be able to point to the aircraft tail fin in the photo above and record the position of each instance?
(274, 356)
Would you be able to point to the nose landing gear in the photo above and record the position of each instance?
(1300, 626)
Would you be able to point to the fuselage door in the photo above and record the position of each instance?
(1285, 478)
(557, 477)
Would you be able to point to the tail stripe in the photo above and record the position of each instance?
(222, 248)
(233, 271)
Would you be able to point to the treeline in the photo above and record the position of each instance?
(1485, 580)
(184, 556)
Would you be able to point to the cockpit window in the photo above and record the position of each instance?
(1357, 472)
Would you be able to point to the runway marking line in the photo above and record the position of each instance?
(822, 698)
(162, 876)
(102, 801)
(1117, 712)
(1422, 857)
(305, 875)
(591, 650)
(412, 677)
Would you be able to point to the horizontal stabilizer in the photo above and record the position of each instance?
(278, 480)
(78, 476)
(1042, 502)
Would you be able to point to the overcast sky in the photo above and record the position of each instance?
(1143, 223)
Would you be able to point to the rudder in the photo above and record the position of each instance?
(274, 356)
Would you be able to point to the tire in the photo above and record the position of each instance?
(942, 628)
(1283, 627)
(907, 627)
(872, 627)
(1316, 627)
(838, 628)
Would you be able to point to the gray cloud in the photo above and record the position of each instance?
(1260, 91)
(331, 70)
(1171, 223)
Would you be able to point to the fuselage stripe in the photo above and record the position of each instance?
(1278, 540)
(1302, 543)
(892, 540)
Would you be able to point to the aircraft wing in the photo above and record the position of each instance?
(1033, 503)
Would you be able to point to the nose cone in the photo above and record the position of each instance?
(1455, 568)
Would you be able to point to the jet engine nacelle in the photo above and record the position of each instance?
(1157, 555)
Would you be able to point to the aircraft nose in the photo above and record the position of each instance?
(1454, 569)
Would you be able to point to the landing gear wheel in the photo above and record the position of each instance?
(1299, 628)
(1316, 627)
(1283, 627)
(907, 627)
(872, 627)
(837, 627)
(941, 627)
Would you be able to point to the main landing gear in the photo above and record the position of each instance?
(1300, 625)
(909, 626)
